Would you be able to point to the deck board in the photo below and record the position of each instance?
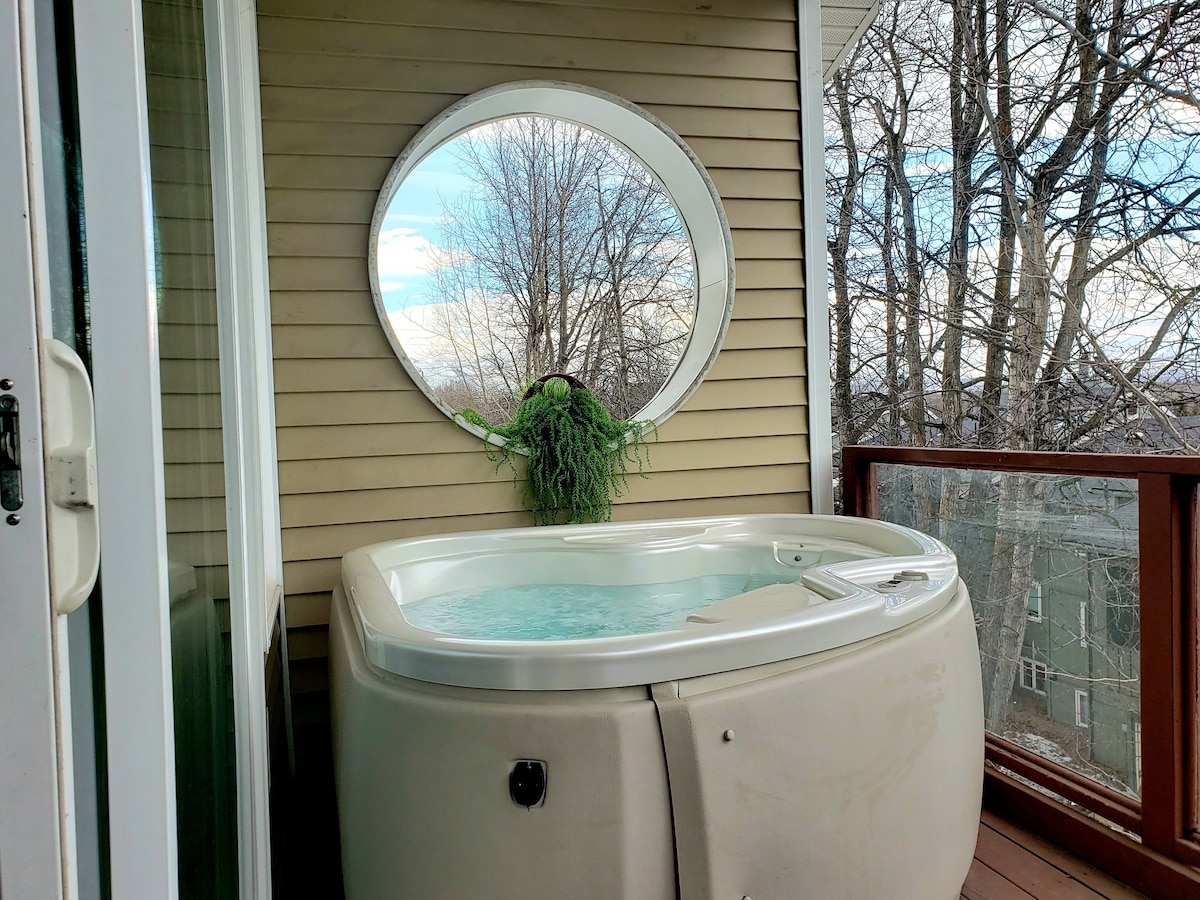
(1031, 873)
(984, 883)
(1013, 864)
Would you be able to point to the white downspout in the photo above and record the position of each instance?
(816, 292)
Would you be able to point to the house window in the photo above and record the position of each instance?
(1083, 634)
(1033, 675)
(1083, 709)
(1137, 756)
(1033, 602)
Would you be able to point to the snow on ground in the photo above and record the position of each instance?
(1044, 747)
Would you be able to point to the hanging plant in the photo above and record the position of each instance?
(578, 454)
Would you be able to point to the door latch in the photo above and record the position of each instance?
(11, 494)
(72, 520)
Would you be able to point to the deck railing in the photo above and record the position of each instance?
(1151, 842)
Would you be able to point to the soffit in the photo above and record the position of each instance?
(843, 22)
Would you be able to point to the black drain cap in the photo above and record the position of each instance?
(527, 783)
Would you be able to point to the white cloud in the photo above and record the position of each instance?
(430, 332)
(402, 251)
(411, 330)
(929, 168)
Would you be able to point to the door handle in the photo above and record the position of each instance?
(72, 517)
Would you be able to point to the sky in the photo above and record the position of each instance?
(411, 229)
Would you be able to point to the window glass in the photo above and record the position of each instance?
(193, 449)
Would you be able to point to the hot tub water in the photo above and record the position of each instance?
(561, 612)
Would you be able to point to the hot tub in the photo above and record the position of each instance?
(774, 706)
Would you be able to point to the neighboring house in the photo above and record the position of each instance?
(1079, 665)
(1080, 653)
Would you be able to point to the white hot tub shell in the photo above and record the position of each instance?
(822, 738)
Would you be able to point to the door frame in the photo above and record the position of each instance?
(810, 78)
(35, 847)
(122, 287)
(247, 410)
(114, 134)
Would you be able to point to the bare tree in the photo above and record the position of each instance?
(1017, 213)
(565, 256)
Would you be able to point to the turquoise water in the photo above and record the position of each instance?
(556, 612)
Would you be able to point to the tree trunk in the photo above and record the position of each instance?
(839, 248)
(1005, 607)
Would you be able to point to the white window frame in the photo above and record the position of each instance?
(659, 149)
(1034, 597)
(1032, 667)
(1083, 708)
(1083, 624)
(1137, 755)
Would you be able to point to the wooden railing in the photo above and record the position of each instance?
(1155, 846)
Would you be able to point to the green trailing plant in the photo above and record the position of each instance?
(578, 455)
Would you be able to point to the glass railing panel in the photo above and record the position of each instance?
(1051, 562)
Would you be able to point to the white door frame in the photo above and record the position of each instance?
(32, 836)
(113, 128)
(114, 135)
(247, 410)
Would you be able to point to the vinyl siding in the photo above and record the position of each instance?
(364, 456)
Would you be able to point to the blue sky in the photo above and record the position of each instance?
(411, 229)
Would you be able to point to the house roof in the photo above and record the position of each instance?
(843, 22)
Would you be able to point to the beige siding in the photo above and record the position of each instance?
(364, 456)
(188, 367)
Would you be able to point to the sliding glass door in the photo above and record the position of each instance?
(144, 718)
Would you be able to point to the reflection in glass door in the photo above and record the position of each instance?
(190, 378)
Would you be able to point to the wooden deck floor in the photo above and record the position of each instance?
(1012, 864)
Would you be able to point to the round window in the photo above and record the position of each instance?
(538, 228)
